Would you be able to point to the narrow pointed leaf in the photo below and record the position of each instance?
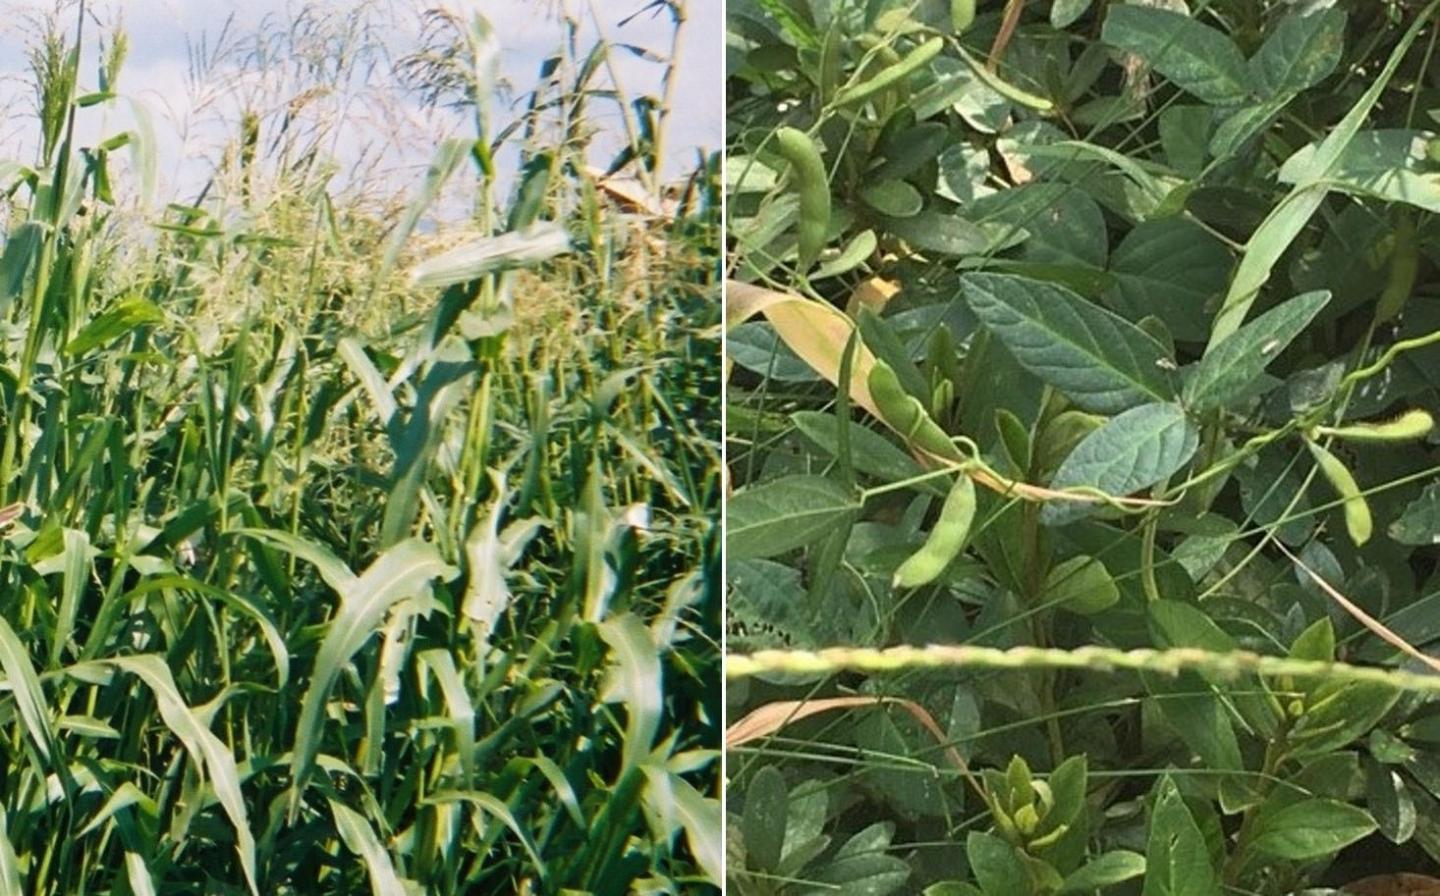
(1223, 374)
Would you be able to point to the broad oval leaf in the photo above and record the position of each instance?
(1199, 59)
(763, 822)
(1101, 361)
(1172, 268)
(1311, 828)
(1392, 165)
(1104, 870)
(773, 517)
(1132, 451)
(1081, 585)
(995, 864)
(1302, 51)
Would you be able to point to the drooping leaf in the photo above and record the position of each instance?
(207, 751)
(360, 839)
(815, 331)
(534, 244)
(398, 574)
(635, 679)
(120, 320)
(25, 685)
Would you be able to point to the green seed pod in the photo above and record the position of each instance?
(962, 13)
(813, 189)
(1357, 511)
(1404, 264)
(946, 538)
(913, 62)
(906, 414)
(1411, 425)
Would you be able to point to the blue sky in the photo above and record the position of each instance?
(192, 121)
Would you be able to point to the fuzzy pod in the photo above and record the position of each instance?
(962, 14)
(1409, 426)
(813, 188)
(906, 414)
(946, 538)
(912, 62)
(1404, 265)
(1357, 511)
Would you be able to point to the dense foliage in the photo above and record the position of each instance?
(343, 554)
(1097, 343)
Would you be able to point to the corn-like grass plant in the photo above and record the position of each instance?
(335, 562)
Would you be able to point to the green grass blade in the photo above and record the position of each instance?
(360, 839)
(29, 698)
(399, 574)
(207, 750)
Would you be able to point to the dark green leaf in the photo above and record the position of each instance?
(1177, 862)
(1232, 365)
(1104, 870)
(1302, 51)
(870, 452)
(1063, 13)
(1100, 360)
(1197, 58)
(763, 825)
(1171, 268)
(773, 517)
(1419, 524)
(1310, 828)
(996, 866)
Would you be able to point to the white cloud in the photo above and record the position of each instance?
(195, 113)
